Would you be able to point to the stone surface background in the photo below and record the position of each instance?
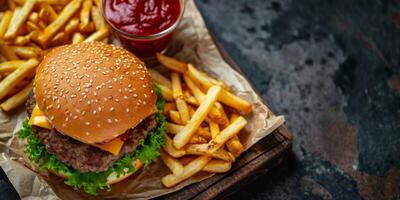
(332, 68)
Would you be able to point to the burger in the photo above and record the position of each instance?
(95, 116)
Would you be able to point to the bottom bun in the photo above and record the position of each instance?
(112, 178)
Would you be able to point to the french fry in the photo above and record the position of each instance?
(159, 78)
(201, 149)
(47, 13)
(175, 117)
(226, 134)
(97, 3)
(10, 66)
(189, 170)
(97, 18)
(197, 139)
(98, 35)
(42, 24)
(171, 63)
(189, 98)
(171, 127)
(204, 132)
(234, 145)
(217, 166)
(17, 99)
(12, 80)
(60, 38)
(215, 113)
(60, 21)
(176, 86)
(11, 5)
(30, 26)
(171, 150)
(226, 97)
(201, 113)
(214, 128)
(34, 17)
(85, 12)
(174, 165)
(169, 106)
(7, 52)
(51, 2)
(23, 14)
(183, 110)
(89, 28)
(77, 38)
(25, 52)
(166, 92)
(5, 21)
(72, 26)
(22, 40)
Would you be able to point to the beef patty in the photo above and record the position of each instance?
(84, 157)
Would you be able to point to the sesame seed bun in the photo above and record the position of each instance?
(94, 92)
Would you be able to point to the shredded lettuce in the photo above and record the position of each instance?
(147, 151)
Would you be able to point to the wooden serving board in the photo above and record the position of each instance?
(258, 160)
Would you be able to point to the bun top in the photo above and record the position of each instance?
(94, 92)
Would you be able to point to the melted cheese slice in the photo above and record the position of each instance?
(38, 119)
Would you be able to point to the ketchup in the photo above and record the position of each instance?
(124, 137)
(137, 21)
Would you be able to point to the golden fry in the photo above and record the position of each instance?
(197, 139)
(30, 26)
(169, 106)
(175, 117)
(183, 110)
(217, 166)
(226, 134)
(88, 28)
(172, 128)
(10, 66)
(51, 2)
(176, 86)
(159, 78)
(189, 170)
(201, 113)
(60, 38)
(5, 21)
(25, 52)
(8, 83)
(77, 38)
(171, 63)
(72, 26)
(97, 18)
(214, 128)
(17, 22)
(166, 92)
(226, 97)
(47, 13)
(17, 99)
(170, 149)
(174, 165)
(7, 52)
(98, 35)
(201, 149)
(34, 17)
(60, 21)
(85, 12)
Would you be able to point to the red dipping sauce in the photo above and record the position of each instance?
(143, 26)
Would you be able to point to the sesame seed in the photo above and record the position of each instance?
(87, 123)
(112, 109)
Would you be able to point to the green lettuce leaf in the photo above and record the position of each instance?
(90, 182)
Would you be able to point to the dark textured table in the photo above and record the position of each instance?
(332, 68)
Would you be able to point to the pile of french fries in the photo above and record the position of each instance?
(204, 119)
(30, 28)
